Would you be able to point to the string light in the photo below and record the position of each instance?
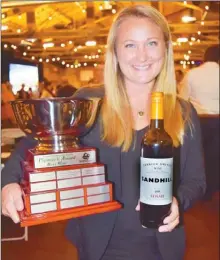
(47, 60)
(4, 27)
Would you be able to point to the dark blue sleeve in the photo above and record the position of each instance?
(12, 171)
(192, 181)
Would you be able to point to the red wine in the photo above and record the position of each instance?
(156, 178)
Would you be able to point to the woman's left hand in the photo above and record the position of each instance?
(171, 221)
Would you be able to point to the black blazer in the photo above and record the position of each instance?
(91, 234)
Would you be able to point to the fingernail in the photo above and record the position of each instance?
(16, 220)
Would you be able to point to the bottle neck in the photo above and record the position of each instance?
(157, 119)
(157, 124)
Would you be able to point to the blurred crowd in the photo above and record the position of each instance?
(45, 90)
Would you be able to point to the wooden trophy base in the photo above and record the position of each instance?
(46, 217)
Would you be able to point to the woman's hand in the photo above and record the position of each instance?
(12, 201)
(171, 221)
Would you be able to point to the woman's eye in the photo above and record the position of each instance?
(129, 45)
(153, 43)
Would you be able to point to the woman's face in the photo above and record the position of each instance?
(140, 50)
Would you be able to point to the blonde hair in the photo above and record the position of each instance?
(117, 120)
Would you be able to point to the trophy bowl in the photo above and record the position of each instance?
(56, 122)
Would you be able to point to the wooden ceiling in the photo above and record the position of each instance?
(69, 24)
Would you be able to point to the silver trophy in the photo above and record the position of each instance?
(62, 179)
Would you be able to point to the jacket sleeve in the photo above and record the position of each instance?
(192, 181)
(12, 171)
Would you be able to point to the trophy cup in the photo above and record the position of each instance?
(62, 179)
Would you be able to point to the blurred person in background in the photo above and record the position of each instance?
(46, 89)
(66, 90)
(201, 87)
(179, 77)
(7, 115)
(22, 94)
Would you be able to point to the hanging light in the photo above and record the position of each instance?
(48, 45)
(90, 43)
(182, 39)
(188, 19)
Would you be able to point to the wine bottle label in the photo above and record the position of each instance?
(156, 181)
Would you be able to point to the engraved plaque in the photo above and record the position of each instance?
(98, 190)
(43, 197)
(93, 179)
(70, 203)
(68, 194)
(63, 159)
(43, 207)
(98, 198)
(47, 176)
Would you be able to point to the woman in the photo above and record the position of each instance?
(139, 59)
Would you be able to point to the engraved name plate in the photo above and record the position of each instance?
(43, 207)
(72, 203)
(97, 190)
(45, 176)
(43, 186)
(98, 198)
(93, 179)
(67, 183)
(64, 159)
(68, 194)
(68, 174)
(44, 197)
(93, 170)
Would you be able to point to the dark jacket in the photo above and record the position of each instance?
(91, 233)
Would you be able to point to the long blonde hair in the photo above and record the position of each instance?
(117, 121)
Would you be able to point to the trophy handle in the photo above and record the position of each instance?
(96, 103)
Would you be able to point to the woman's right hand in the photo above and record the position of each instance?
(12, 201)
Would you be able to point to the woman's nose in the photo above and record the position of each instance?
(142, 54)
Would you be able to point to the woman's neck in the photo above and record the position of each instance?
(139, 98)
(135, 91)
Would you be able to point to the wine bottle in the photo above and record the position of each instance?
(156, 164)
